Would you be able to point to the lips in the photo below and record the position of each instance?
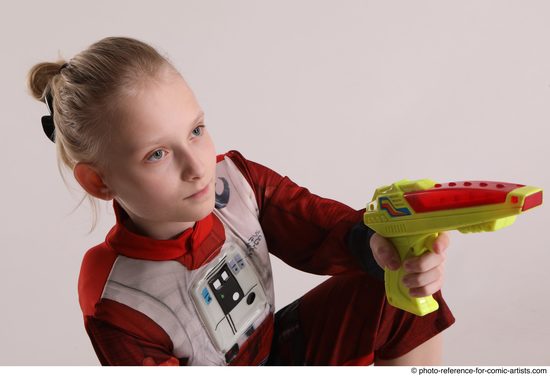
(200, 192)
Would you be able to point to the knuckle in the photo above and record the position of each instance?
(420, 292)
(424, 291)
(422, 264)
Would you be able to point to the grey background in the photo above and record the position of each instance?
(343, 97)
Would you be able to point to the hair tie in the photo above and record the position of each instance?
(63, 66)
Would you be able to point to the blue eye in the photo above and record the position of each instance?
(157, 155)
(198, 131)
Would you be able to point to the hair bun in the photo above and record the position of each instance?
(40, 77)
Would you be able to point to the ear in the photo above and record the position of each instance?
(88, 177)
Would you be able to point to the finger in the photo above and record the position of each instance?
(384, 252)
(149, 361)
(441, 243)
(418, 280)
(425, 290)
(170, 362)
(425, 262)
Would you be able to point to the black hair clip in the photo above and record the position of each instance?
(47, 121)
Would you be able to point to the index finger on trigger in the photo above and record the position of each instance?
(441, 243)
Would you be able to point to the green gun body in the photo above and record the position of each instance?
(411, 214)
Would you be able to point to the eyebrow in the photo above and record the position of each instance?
(199, 116)
(197, 119)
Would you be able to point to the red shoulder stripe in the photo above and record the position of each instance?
(94, 271)
(135, 322)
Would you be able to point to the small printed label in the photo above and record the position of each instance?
(233, 266)
(239, 261)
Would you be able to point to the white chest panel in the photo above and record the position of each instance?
(210, 310)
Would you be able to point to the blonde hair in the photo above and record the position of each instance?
(86, 93)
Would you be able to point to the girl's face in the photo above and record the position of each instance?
(161, 163)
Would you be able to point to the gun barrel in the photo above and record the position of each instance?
(417, 207)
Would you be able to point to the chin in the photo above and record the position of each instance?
(204, 211)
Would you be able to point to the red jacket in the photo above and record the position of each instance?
(305, 231)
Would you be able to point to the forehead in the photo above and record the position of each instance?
(161, 106)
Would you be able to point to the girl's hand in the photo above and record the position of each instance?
(423, 274)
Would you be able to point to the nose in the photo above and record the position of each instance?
(192, 168)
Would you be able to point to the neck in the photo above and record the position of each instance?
(159, 231)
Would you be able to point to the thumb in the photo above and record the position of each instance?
(384, 252)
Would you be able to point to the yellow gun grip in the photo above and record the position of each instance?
(397, 294)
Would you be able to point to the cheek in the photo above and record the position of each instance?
(209, 154)
(136, 187)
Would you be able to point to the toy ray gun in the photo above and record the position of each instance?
(412, 213)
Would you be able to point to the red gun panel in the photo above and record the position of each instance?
(457, 195)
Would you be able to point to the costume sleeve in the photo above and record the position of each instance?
(130, 339)
(304, 230)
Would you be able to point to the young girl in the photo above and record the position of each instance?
(183, 277)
